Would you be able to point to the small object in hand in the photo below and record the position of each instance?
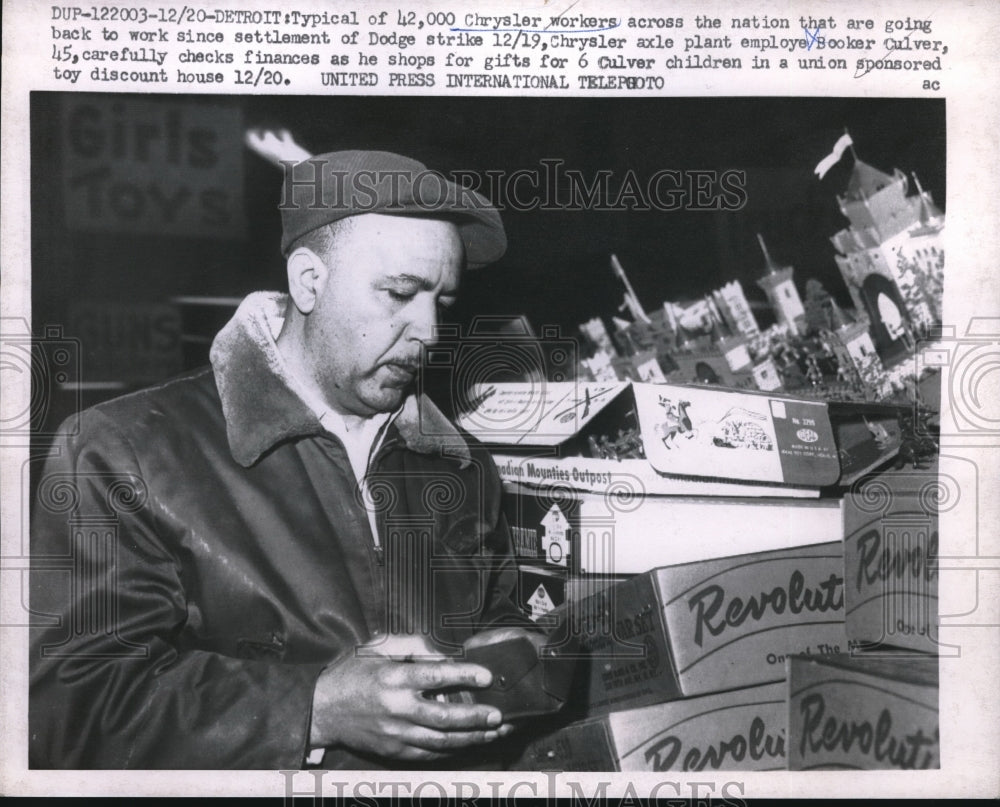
(527, 681)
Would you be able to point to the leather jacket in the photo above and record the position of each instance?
(201, 552)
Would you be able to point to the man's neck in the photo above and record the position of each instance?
(351, 422)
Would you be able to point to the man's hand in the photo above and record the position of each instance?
(377, 703)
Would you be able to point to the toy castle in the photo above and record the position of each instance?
(891, 257)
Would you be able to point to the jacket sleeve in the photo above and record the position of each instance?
(110, 684)
(501, 606)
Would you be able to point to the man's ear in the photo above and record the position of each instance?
(307, 276)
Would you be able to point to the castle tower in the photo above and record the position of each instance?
(734, 306)
(853, 347)
(891, 256)
(781, 293)
(732, 346)
(928, 257)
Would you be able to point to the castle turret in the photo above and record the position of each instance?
(931, 219)
(732, 346)
(891, 256)
(733, 303)
(853, 347)
(781, 293)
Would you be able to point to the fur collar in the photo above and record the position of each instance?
(264, 405)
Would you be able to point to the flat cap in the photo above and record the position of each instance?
(333, 186)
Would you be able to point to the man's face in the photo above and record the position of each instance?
(388, 278)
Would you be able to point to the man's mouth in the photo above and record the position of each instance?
(402, 372)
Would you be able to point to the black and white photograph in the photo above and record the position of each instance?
(683, 329)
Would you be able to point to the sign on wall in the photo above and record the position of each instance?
(166, 167)
(137, 343)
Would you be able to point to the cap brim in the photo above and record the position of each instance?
(393, 185)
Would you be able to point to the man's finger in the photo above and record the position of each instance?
(443, 741)
(422, 676)
(413, 753)
(454, 716)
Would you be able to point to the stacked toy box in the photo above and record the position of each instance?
(717, 554)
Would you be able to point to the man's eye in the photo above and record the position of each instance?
(400, 296)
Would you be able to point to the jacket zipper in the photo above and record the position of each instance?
(373, 522)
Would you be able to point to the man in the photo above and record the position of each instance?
(281, 558)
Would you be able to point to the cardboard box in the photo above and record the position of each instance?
(846, 712)
(868, 435)
(740, 730)
(666, 439)
(697, 628)
(595, 534)
(608, 476)
(579, 587)
(891, 560)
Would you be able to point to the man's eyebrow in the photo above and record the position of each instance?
(404, 277)
(423, 283)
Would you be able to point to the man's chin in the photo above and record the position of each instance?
(386, 398)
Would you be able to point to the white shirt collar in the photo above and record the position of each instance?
(362, 441)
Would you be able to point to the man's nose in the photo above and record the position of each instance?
(422, 326)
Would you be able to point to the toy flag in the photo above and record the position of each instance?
(834, 156)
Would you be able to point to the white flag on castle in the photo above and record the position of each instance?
(834, 156)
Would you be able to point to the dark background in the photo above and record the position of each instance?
(556, 271)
